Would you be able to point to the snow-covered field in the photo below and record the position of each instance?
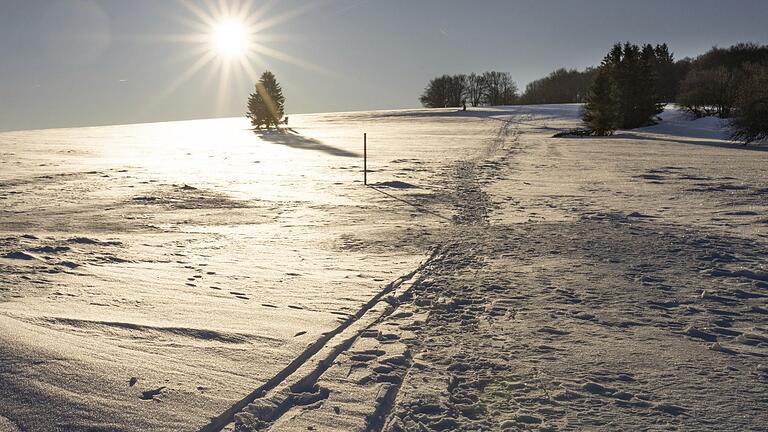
(167, 276)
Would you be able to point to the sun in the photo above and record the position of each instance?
(234, 41)
(230, 38)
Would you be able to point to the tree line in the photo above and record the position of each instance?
(725, 81)
(489, 88)
(631, 86)
(730, 83)
(559, 87)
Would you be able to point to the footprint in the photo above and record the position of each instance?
(150, 394)
(674, 410)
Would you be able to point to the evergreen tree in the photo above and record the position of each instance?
(623, 93)
(601, 110)
(629, 79)
(648, 104)
(613, 65)
(667, 76)
(267, 105)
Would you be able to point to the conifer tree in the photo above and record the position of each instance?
(667, 77)
(601, 110)
(624, 92)
(629, 79)
(648, 104)
(267, 105)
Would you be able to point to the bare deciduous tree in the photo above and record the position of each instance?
(750, 122)
(444, 91)
(490, 88)
(475, 89)
(500, 89)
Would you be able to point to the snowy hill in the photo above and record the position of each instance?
(167, 276)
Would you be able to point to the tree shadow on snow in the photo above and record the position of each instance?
(291, 138)
(537, 113)
(379, 187)
(548, 111)
(682, 139)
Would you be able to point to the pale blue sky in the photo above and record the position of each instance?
(92, 62)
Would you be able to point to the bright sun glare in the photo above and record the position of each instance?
(233, 39)
(230, 38)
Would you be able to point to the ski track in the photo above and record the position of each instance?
(262, 412)
(542, 326)
(225, 418)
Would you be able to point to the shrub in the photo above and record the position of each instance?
(709, 92)
(750, 122)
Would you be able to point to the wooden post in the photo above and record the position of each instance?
(365, 158)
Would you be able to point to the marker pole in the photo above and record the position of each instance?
(365, 159)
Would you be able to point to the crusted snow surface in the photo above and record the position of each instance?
(583, 284)
(193, 275)
(153, 275)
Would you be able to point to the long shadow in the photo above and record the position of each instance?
(289, 137)
(554, 111)
(706, 143)
(417, 206)
(546, 113)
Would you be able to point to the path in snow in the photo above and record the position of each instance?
(568, 283)
(587, 304)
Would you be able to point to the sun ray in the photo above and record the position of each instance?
(249, 70)
(223, 8)
(191, 71)
(224, 81)
(206, 18)
(279, 55)
(230, 36)
(293, 13)
(254, 17)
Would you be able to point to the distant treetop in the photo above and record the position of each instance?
(490, 88)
